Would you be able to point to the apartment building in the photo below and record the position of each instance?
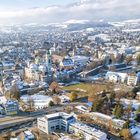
(11, 107)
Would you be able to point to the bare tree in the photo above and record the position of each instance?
(54, 87)
(126, 134)
(14, 92)
(56, 100)
(31, 105)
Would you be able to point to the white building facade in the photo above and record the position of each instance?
(67, 123)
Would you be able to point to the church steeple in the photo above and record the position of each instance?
(49, 61)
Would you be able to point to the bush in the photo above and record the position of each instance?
(51, 103)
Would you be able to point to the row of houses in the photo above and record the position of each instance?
(106, 120)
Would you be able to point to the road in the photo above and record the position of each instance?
(13, 124)
(31, 120)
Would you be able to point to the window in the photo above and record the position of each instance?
(52, 128)
(63, 127)
(57, 127)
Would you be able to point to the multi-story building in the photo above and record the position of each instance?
(132, 80)
(56, 121)
(11, 107)
(67, 123)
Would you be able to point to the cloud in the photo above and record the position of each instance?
(85, 9)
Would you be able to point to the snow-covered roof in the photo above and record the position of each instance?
(82, 108)
(89, 130)
(122, 75)
(135, 103)
(61, 114)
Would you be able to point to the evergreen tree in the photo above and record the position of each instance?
(51, 103)
(138, 110)
(118, 111)
(97, 104)
(126, 125)
(138, 59)
(112, 97)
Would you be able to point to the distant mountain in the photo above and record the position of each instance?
(126, 22)
(75, 25)
(85, 25)
(71, 25)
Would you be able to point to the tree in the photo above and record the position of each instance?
(128, 111)
(97, 104)
(126, 125)
(31, 105)
(138, 118)
(112, 97)
(121, 94)
(51, 103)
(135, 90)
(110, 86)
(126, 134)
(73, 96)
(54, 87)
(118, 111)
(131, 95)
(138, 59)
(138, 110)
(14, 92)
(36, 132)
(128, 59)
(7, 136)
(56, 100)
(122, 57)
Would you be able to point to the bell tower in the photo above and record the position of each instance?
(49, 61)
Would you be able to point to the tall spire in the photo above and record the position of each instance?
(49, 61)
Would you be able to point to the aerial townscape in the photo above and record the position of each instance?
(77, 79)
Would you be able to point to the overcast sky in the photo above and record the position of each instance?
(50, 11)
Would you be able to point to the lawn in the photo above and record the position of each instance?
(85, 89)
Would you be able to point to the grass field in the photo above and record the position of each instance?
(85, 89)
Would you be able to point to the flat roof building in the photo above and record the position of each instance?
(88, 132)
(107, 120)
(54, 122)
(67, 123)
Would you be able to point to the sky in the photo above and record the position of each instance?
(27, 4)
(57, 11)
